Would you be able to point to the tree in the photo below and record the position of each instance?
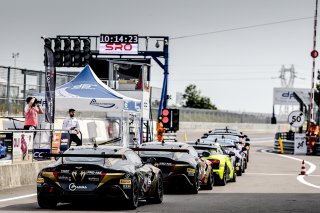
(193, 99)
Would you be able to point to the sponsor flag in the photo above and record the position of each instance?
(50, 79)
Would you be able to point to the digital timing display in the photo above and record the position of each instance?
(118, 38)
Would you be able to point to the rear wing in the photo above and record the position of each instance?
(160, 150)
(102, 155)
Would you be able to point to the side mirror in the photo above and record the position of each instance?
(205, 154)
(204, 137)
(151, 161)
(231, 154)
(247, 139)
(245, 136)
(244, 149)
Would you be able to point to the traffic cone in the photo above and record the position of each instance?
(303, 169)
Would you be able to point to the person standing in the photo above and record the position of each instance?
(71, 123)
(31, 111)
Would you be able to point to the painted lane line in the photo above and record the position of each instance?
(300, 178)
(280, 174)
(17, 198)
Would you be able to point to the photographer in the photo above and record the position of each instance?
(31, 111)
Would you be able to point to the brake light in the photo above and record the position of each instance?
(215, 161)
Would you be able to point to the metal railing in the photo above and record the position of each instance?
(17, 84)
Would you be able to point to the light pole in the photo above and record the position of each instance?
(15, 56)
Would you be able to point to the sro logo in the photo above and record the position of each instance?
(118, 47)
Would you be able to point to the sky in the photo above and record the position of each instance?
(237, 69)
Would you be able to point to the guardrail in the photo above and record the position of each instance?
(288, 143)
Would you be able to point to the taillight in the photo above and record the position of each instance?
(215, 161)
(53, 169)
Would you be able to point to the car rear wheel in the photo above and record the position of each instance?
(47, 202)
(234, 179)
(195, 187)
(223, 181)
(210, 183)
(134, 196)
(158, 193)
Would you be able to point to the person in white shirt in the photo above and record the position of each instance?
(71, 123)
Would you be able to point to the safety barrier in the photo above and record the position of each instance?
(287, 139)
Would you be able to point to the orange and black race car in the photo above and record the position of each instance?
(99, 173)
(180, 164)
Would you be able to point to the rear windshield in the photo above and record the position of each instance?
(86, 159)
(212, 151)
(173, 155)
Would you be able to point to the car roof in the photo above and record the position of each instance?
(90, 149)
(177, 145)
(203, 144)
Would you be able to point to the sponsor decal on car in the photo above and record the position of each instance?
(64, 171)
(40, 180)
(93, 172)
(125, 181)
(191, 171)
(74, 187)
(64, 178)
(94, 179)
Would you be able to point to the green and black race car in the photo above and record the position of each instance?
(99, 173)
(221, 163)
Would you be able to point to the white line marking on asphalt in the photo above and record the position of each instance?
(300, 178)
(271, 174)
(17, 198)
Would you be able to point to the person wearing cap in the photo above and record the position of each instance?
(71, 123)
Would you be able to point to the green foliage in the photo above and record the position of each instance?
(193, 99)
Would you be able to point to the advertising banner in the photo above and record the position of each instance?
(50, 83)
(22, 146)
(5, 148)
(38, 154)
(300, 144)
(56, 141)
(284, 96)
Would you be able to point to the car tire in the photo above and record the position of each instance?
(239, 172)
(47, 202)
(210, 182)
(223, 181)
(133, 201)
(196, 183)
(234, 179)
(158, 192)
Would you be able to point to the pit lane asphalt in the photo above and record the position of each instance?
(269, 185)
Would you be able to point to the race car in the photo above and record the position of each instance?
(98, 173)
(240, 157)
(3, 150)
(222, 166)
(180, 165)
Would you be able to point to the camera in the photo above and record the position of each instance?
(36, 102)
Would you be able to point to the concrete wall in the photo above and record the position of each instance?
(20, 174)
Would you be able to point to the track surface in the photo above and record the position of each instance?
(270, 184)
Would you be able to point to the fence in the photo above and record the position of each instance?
(17, 84)
(219, 116)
